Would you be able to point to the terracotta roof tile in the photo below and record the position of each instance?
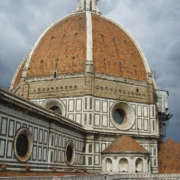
(124, 144)
(169, 157)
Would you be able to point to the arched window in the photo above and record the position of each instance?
(85, 5)
(139, 165)
(108, 165)
(123, 165)
(56, 109)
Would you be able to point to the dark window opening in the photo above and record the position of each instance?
(153, 125)
(90, 148)
(69, 153)
(56, 109)
(137, 90)
(90, 5)
(90, 161)
(85, 5)
(118, 116)
(90, 119)
(55, 74)
(22, 145)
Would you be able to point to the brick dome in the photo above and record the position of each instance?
(67, 46)
(169, 157)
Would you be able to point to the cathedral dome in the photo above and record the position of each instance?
(81, 39)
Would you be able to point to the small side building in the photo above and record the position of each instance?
(125, 156)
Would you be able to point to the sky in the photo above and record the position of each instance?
(155, 24)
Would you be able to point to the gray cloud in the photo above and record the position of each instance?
(155, 25)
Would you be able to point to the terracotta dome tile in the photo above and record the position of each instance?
(124, 144)
(169, 157)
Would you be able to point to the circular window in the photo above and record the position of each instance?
(122, 115)
(70, 153)
(23, 144)
(56, 109)
(118, 116)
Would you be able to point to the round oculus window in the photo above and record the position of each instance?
(118, 116)
(70, 153)
(23, 144)
(56, 109)
(122, 115)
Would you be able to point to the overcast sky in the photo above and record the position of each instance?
(154, 23)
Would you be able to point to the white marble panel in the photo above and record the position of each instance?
(2, 146)
(96, 160)
(71, 116)
(63, 156)
(97, 120)
(34, 152)
(35, 134)
(97, 148)
(4, 126)
(78, 118)
(140, 123)
(39, 153)
(78, 105)
(97, 105)
(45, 137)
(18, 125)
(9, 150)
(145, 124)
(71, 105)
(105, 106)
(11, 128)
(55, 155)
(40, 135)
(145, 111)
(59, 156)
(60, 140)
(105, 120)
(56, 139)
(45, 154)
(103, 147)
(139, 110)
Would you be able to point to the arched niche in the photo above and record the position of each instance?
(139, 165)
(123, 165)
(108, 165)
(54, 104)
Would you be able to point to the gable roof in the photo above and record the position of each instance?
(125, 144)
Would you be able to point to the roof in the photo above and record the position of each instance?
(169, 157)
(67, 45)
(124, 144)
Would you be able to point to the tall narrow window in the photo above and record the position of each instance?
(52, 140)
(155, 163)
(85, 5)
(90, 148)
(89, 160)
(154, 151)
(90, 5)
(153, 111)
(85, 103)
(90, 119)
(153, 126)
(90, 103)
(85, 119)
